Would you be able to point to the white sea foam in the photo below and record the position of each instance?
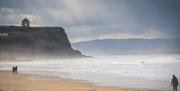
(109, 70)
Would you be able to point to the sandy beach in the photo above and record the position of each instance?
(24, 82)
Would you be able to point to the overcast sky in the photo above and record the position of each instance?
(98, 19)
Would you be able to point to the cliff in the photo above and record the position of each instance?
(17, 41)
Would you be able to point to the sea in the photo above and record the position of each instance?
(151, 71)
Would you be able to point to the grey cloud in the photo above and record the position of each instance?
(95, 18)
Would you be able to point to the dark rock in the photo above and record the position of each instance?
(51, 41)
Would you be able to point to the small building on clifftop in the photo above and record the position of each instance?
(25, 23)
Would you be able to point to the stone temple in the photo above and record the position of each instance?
(25, 23)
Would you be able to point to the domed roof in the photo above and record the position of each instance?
(25, 22)
(25, 19)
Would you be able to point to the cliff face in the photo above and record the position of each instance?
(35, 41)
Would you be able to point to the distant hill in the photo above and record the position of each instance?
(128, 46)
(33, 42)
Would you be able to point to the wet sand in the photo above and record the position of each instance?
(25, 82)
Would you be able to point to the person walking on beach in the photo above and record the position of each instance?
(174, 83)
(14, 69)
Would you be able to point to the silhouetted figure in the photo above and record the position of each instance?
(174, 83)
(14, 69)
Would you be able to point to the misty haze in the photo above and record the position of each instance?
(89, 45)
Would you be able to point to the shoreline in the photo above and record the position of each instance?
(29, 82)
